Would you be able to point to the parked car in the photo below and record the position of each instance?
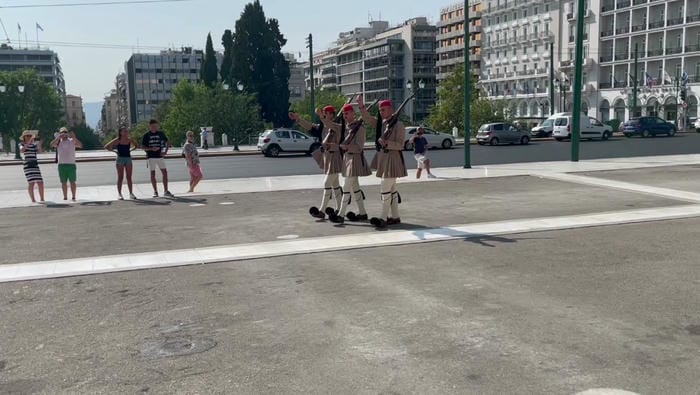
(591, 128)
(499, 132)
(648, 126)
(696, 125)
(275, 141)
(544, 129)
(435, 138)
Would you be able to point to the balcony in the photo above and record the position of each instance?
(606, 33)
(607, 6)
(674, 21)
(638, 28)
(474, 29)
(639, 2)
(692, 18)
(570, 16)
(540, 71)
(606, 58)
(673, 50)
(655, 52)
(623, 4)
(692, 48)
(656, 25)
(571, 39)
(620, 84)
(622, 30)
(565, 64)
(605, 85)
(622, 56)
(474, 43)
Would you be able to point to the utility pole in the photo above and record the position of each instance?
(578, 70)
(634, 83)
(310, 45)
(467, 89)
(678, 106)
(551, 78)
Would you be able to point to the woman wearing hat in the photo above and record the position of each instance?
(31, 165)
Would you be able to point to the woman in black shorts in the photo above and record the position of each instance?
(123, 145)
(31, 165)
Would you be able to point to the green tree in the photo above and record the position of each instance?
(194, 105)
(259, 64)
(227, 61)
(327, 97)
(448, 112)
(209, 72)
(37, 108)
(88, 137)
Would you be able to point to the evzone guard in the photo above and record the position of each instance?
(389, 158)
(332, 160)
(354, 164)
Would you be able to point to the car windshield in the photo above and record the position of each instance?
(484, 128)
(547, 122)
(561, 122)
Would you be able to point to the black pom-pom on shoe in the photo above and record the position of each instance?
(316, 213)
(377, 222)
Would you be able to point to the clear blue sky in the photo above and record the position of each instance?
(90, 72)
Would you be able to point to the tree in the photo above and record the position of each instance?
(448, 112)
(209, 72)
(327, 97)
(194, 105)
(88, 137)
(259, 64)
(37, 108)
(227, 61)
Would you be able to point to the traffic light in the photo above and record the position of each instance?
(683, 96)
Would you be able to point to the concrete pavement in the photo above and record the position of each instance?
(553, 277)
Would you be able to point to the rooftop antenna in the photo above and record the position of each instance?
(7, 37)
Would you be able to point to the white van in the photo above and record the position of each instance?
(591, 128)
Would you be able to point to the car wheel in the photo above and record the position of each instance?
(313, 148)
(407, 146)
(446, 144)
(274, 151)
(628, 134)
(605, 136)
(494, 141)
(558, 138)
(645, 133)
(672, 133)
(480, 142)
(524, 140)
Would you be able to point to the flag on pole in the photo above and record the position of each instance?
(667, 78)
(38, 26)
(684, 79)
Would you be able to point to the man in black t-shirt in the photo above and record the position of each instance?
(156, 145)
(420, 148)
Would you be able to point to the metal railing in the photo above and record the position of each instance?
(637, 28)
(605, 85)
(673, 50)
(622, 56)
(622, 30)
(692, 18)
(655, 25)
(655, 52)
(606, 33)
(623, 4)
(692, 48)
(674, 21)
(606, 58)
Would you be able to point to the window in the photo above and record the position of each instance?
(678, 41)
(282, 134)
(524, 13)
(535, 12)
(299, 136)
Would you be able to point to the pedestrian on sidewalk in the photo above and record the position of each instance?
(31, 165)
(420, 151)
(192, 159)
(354, 164)
(203, 134)
(65, 145)
(332, 161)
(156, 145)
(123, 145)
(389, 159)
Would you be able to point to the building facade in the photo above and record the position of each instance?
(150, 79)
(665, 35)
(75, 115)
(450, 39)
(45, 62)
(109, 120)
(297, 83)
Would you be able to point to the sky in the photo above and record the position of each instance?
(90, 72)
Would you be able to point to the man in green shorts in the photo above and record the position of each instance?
(65, 145)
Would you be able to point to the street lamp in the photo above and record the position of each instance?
(20, 89)
(240, 88)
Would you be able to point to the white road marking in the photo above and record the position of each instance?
(193, 256)
(605, 391)
(197, 205)
(288, 237)
(226, 203)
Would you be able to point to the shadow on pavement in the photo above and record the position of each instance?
(150, 202)
(187, 200)
(56, 205)
(96, 204)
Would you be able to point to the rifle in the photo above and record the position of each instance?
(390, 122)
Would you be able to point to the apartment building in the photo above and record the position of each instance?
(109, 120)
(381, 66)
(450, 39)
(75, 115)
(516, 56)
(666, 38)
(45, 62)
(150, 79)
(297, 83)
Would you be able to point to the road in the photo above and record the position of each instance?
(101, 173)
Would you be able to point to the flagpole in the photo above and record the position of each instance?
(36, 26)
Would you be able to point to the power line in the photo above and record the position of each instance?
(92, 4)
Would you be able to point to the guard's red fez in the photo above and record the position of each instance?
(385, 103)
(348, 107)
(330, 109)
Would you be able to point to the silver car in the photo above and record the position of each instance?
(435, 138)
(501, 133)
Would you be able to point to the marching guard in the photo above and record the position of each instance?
(332, 160)
(389, 159)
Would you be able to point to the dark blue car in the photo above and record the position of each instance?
(648, 126)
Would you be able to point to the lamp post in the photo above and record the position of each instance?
(20, 89)
(239, 87)
(409, 86)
